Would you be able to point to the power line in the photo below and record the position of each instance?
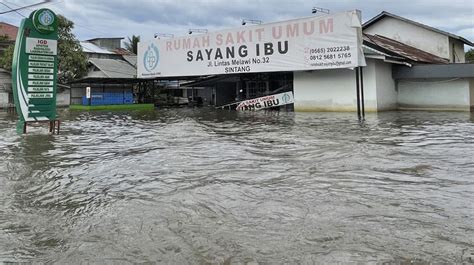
(12, 10)
(24, 7)
(53, 3)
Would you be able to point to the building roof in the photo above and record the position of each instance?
(113, 68)
(131, 59)
(387, 14)
(8, 30)
(112, 38)
(89, 47)
(123, 51)
(395, 48)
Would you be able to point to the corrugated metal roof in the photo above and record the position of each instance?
(111, 38)
(113, 68)
(396, 48)
(131, 59)
(88, 47)
(387, 14)
(123, 51)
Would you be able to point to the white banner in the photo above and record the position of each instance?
(322, 42)
(267, 102)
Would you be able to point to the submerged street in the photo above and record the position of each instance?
(199, 186)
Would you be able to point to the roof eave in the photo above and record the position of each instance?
(385, 13)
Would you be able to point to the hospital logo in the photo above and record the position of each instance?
(46, 18)
(151, 58)
(286, 98)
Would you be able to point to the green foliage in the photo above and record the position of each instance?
(4, 37)
(132, 44)
(470, 56)
(7, 58)
(72, 61)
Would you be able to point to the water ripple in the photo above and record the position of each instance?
(198, 186)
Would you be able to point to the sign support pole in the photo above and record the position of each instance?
(358, 92)
(362, 91)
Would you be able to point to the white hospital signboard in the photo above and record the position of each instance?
(322, 42)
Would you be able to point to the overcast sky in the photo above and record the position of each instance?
(119, 18)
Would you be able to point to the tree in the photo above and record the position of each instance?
(6, 52)
(7, 58)
(72, 61)
(132, 44)
(470, 56)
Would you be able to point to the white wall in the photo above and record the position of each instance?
(471, 85)
(434, 94)
(459, 54)
(412, 35)
(63, 99)
(386, 90)
(333, 90)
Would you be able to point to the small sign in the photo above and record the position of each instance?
(88, 92)
(40, 89)
(267, 102)
(40, 83)
(40, 95)
(41, 58)
(35, 76)
(41, 70)
(40, 64)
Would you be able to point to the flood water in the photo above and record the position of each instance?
(185, 186)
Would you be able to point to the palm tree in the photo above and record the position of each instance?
(132, 44)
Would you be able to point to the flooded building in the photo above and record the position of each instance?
(438, 78)
(111, 73)
(394, 49)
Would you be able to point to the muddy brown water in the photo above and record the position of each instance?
(184, 186)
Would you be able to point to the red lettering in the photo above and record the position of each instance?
(326, 26)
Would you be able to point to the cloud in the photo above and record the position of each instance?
(120, 18)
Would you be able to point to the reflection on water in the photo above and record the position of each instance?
(197, 186)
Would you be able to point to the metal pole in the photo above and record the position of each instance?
(362, 91)
(358, 92)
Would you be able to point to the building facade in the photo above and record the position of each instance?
(392, 43)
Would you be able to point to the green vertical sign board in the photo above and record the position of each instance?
(34, 68)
